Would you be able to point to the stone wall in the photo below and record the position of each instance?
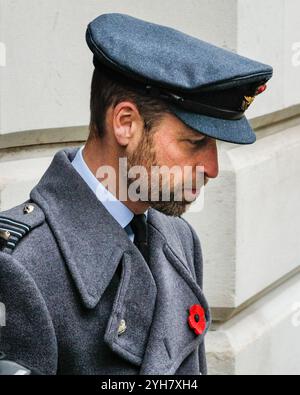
(250, 224)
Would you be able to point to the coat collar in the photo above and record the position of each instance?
(91, 240)
(93, 244)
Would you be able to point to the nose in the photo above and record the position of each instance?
(209, 159)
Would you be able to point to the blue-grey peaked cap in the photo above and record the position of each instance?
(208, 88)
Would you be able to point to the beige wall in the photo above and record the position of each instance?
(45, 83)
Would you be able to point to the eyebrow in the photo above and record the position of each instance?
(195, 134)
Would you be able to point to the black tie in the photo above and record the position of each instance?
(139, 227)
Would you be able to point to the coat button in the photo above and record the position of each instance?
(5, 235)
(28, 208)
(122, 327)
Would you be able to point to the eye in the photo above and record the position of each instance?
(198, 143)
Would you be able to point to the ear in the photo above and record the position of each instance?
(127, 123)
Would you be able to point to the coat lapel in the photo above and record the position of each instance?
(171, 339)
(152, 299)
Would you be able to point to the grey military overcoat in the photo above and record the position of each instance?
(65, 299)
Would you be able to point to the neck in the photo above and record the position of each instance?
(99, 153)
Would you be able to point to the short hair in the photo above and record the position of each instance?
(107, 91)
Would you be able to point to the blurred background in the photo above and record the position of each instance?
(250, 224)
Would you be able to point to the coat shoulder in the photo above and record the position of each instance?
(17, 224)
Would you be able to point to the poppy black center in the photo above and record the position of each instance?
(197, 318)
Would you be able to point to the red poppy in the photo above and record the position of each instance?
(196, 319)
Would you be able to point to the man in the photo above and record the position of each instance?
(97, 284)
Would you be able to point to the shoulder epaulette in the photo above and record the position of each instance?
(16, 223)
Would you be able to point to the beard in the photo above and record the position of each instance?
(145, 155)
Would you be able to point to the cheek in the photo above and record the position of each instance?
(171, 152)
